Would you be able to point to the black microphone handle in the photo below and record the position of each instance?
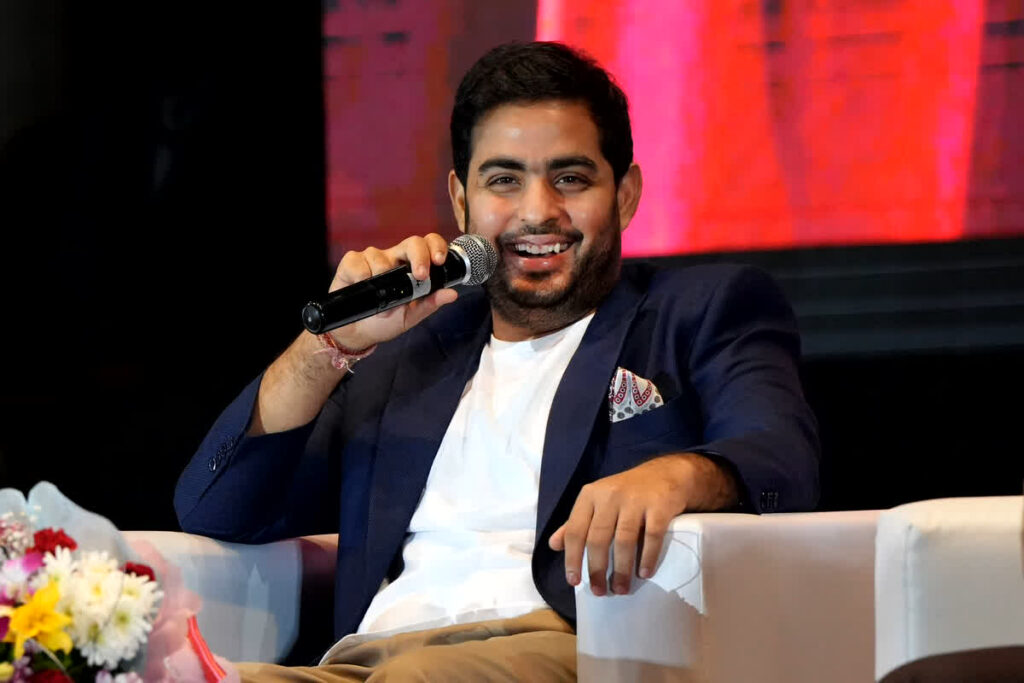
(377, 294)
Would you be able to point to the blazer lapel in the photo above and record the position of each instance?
(427, 388)
(581, 395)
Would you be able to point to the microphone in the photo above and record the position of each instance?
(471, 260)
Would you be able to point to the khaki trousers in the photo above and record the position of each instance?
(536, 647)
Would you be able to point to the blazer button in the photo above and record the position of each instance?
(213, 464)
(226, 446)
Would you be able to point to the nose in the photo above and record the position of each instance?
(541, 204)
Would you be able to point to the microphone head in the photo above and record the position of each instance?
(481, 256)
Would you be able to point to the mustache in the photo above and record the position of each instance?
(507, 238)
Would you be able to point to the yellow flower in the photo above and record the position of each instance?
(6, 671)
(39, 619)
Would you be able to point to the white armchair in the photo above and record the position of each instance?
(949, 590)
(785, 597)
(256, 598)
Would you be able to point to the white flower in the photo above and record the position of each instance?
(94, 593)
(13, 581)
(58, 567)
(97, 562)
(105, 676)
(15, 534)
(112, 612)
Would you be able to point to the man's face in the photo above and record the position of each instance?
(539, 188)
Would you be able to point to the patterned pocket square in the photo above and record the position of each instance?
(630, 395)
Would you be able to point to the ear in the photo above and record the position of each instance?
(628, 194)
(457, 193)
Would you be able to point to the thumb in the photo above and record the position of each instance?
(557, 540)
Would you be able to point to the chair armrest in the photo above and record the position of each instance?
(949, 578)
(256, 598)
(783, 597)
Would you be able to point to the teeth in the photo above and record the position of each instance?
(523, 248)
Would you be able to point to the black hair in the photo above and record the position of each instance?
(534, 72)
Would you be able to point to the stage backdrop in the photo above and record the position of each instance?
(759, 124)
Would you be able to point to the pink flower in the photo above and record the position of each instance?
(23, 566)
(14, 576)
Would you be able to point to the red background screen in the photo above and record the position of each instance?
(758, 124)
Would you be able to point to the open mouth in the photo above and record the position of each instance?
(540, 248)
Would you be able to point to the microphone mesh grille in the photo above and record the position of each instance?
(483, 259)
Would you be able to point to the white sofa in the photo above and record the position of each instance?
(784, 597)
(950, 579)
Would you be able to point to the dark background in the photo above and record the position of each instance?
(162, 221)
(161, 206)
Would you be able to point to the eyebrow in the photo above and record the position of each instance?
(501, 162)
(568, 162)
(556, 164)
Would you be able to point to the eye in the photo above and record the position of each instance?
(502, 180)
(572, 180)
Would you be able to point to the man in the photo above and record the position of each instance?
(486, 438)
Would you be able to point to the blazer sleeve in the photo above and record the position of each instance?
(241, 488)
(743, 362)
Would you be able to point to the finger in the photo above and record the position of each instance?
(380, 261)
(557, 540)
(441, 298)
(438, 247)
(421, 308)
(627, 535)
(352, 268)
(655, 528)
(599, 541)
(574, 537)
(416, 252)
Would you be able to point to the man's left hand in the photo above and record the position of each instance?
(632, 510)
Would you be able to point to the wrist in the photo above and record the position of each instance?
(342, 357)
(708, 485)
(347, 337)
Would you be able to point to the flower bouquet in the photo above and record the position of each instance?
(74, 606)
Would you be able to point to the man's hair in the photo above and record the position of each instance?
(523, 73)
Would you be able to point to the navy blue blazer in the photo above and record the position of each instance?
(720, 343)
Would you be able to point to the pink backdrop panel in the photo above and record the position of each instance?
(774, 124)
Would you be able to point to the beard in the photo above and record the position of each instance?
(594, 274)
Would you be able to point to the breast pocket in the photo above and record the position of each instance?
(673, 426)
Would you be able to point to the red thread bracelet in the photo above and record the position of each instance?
(342, 358)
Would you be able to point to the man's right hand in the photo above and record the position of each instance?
(355, 266)
(297, 384)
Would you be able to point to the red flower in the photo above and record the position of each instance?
(139, 570)
(48, 540)
(50, 676)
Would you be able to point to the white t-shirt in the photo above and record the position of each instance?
(467, 556)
